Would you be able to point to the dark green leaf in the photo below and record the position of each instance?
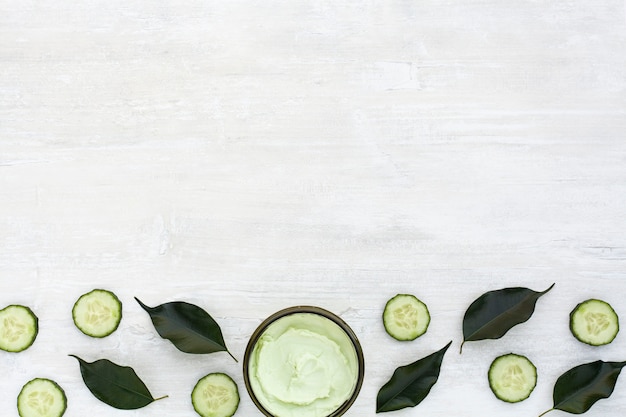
(493, 314)
(187, 326)
(410, 384)
(582, 386)
(115, 385)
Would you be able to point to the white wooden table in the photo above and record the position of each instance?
(246, 156)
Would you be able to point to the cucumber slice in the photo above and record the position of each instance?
(405, 317)
(512, 377)
(215, 395)
(97, 313)
(18, 328)
(41, 397)
(594, 322)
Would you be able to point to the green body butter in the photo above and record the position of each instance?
(303, 365)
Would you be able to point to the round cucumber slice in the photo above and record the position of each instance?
(215, 395)
(512, 377)
(41, 397)
(18, 328)
(594, 322)
(97, 313)
(405, 317)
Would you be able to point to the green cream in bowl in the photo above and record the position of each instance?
(303, 362)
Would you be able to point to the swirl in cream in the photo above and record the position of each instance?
(303, 365)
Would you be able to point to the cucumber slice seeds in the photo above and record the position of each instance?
(41, 397)
(215, 395)
(512, 377)
(18, 328)
(594, 322)
(405, 317)
(97, 313)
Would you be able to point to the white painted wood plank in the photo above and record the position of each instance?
(247, 156)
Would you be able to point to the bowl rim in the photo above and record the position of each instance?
(312, 310)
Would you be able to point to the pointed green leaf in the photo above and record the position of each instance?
(582, 386)
(187, 326)
(494, 313)
(115, 385)
(410, 384)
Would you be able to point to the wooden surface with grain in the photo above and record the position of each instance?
(247, 156)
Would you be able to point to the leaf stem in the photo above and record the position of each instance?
(160, 398)
(231, 355)
(461, 348)
(543, 292)
(546, 412)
